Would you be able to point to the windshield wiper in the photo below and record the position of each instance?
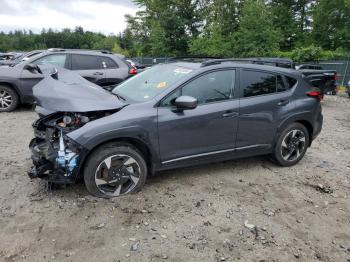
(119, 97)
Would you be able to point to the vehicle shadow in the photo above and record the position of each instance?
(213, 168)
(180, 175)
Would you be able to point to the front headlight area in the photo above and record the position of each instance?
(56, 157)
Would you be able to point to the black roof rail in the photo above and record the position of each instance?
(279, 62)
(91, 50)
(190, 58)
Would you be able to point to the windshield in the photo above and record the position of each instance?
(148, 84)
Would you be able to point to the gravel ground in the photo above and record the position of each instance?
(247, 210)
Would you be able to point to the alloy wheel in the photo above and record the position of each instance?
(293, 145)
(5, 99)
(117, 175)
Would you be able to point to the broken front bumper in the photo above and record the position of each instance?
(54, 163)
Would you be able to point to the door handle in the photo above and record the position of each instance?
(283, 102)
(230, 114)
(98, 74)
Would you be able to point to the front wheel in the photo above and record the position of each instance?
(291, 145)
(8, 99)
(115, 169)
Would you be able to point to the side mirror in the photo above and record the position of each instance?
(33, 68)
(186, 103)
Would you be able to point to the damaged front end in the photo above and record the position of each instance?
(66, 102)
(56, 157)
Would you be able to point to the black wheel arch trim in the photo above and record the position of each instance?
(14, 87)
(132, 136)
(304, 118)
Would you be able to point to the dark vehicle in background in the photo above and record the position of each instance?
(348, 88)
(325, 80)
(100, 67)
(308, 66)
(172, 115)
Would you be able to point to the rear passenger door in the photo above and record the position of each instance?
(88, 66)
(264, 101)
(115, 71)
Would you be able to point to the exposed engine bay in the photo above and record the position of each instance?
(55, 156)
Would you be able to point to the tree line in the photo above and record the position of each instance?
(298, 29)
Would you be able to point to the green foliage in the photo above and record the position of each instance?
(298, 29)
(332, 24)
(106, 43)
(212, 43)
(283, 13)
(118, 50)
(312, 53)
(67, 38)
(166, 26)
(256, 35)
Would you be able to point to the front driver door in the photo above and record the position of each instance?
(210, 128)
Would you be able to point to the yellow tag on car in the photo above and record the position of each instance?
(161, 85)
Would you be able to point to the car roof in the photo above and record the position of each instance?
(82, 51)
(227, 64)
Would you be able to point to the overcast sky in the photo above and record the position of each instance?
(105, 16)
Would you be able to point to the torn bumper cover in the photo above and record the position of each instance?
(56, 157)
(66, 102)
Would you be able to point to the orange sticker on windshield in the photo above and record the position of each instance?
(161, 85)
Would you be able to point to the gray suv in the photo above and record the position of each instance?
(172, 115)
(100, 67)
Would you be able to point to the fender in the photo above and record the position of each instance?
(132, 132)
(12, 85)
(300, 116)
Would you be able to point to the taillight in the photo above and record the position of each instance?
(132, 71)
(335, 77)
(315, 94)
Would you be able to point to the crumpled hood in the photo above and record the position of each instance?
(72, 93)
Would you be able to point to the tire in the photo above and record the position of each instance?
(9, 99)
(123, 160)
(291, 145)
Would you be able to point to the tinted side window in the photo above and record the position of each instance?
(281, 86)
(291, 81)
(258, 83)
(211, 87)
(85, 62)
(56, 60)
(108, 63)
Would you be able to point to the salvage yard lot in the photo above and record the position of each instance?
(300, 213)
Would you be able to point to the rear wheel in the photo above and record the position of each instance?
(115, 169)
(291, 145)
(8, 99)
